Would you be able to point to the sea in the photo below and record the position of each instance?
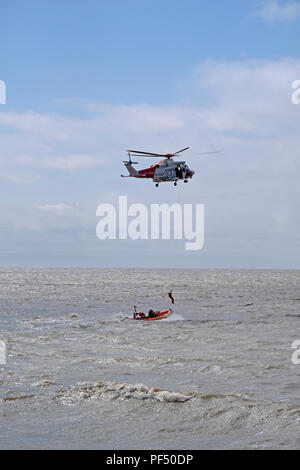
(78, 372)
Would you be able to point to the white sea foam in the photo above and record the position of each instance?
(121, 391)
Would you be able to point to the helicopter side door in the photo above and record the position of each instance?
(170, 174)
(166, 174)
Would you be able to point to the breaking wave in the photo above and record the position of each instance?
(115, 390)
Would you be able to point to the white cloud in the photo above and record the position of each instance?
(58, 209)
(273, 10)
(52, 217)
(33, 140)
(247, 96)
(65, 163)
(47, 141)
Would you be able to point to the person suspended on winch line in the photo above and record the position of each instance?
(171, 296)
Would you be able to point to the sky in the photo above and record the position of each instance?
(85, 80)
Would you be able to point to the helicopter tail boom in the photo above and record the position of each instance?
(132, 171)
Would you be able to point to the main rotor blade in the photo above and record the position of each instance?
(208, 153)
(146, 153)
(179, 151)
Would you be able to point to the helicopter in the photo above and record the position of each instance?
(166, 170)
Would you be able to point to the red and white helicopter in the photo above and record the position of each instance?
(166, 170)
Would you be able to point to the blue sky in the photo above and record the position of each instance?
(87, 79)
(129, 51)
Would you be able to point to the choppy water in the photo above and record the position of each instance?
(217, 374)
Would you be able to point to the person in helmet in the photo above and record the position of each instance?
(137, 314)
(151, 313)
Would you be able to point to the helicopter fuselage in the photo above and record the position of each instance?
(164, 171)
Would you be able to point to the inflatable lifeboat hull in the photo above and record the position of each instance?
(160, 316)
